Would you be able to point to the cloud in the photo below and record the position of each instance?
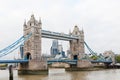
(99, 19)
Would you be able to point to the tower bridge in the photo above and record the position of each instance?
(33, 62)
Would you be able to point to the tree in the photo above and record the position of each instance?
(94, 57)
(117, 58)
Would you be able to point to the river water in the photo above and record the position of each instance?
(61, 74)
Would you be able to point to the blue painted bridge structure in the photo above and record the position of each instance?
(75, 61)
(63, 61)
(60, 36)
(53, 61)
(14, 61)
(45, 34)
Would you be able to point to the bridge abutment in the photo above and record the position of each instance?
(84, 64)
(81, 65)
(34, 67)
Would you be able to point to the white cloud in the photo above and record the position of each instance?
(99, 19)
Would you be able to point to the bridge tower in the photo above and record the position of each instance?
(32, 49)
(77, 51)
(77, 46)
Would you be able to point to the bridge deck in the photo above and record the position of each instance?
(52, 61)
(97, 61)
(75, 61)
(64, 61)
(14, 61)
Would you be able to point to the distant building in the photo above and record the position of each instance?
(57, 49)
(109, 55)
(54, 48)
(68, 54)
(60, 48)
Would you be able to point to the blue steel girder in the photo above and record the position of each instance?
(56, 35)
(100, 61)
(14, 61)
(63, 61)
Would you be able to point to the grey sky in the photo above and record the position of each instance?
(99, 19)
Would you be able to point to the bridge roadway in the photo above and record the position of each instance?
(101, 61)
(53, 61)
(56, 35)
(14, 61)
(64, 61)
(75, 61)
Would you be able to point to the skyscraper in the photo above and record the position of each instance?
(57, 49)
(54, 48)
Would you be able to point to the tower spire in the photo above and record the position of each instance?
(69, 31)
(24, 23)
(40, 21)
(82, 30)
(32, 17)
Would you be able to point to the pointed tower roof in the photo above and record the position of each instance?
(76, 30)
(32, 17)
(32, 20)
(82, 30)
(40, 21)
(69, 31)
(24, 23)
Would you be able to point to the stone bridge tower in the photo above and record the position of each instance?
(77, 46)
(32, 49)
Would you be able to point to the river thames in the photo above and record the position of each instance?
(61, 74)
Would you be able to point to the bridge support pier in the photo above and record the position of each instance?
(32, 72)
(84, 64)
(33, 67)
(81, 65)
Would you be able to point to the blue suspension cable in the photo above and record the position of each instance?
(15, 45)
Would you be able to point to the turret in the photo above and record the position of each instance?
(40, 23)
(76, 30)
(24, 23)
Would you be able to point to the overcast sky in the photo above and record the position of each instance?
(100, 20)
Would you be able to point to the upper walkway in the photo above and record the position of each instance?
(56, 35)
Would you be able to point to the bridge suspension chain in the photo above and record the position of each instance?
(10, 46)
(100, 57)
(14, 45)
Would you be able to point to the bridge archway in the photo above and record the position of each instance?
(28, 56)
(75, 57)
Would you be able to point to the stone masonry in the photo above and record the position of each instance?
(77, 46)
(32, 49)
(32, 46)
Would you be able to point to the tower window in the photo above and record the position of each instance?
(75, 33)
(30, 24)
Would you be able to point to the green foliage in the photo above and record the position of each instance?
(94, 57)
(3, 65)
(117, 58)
